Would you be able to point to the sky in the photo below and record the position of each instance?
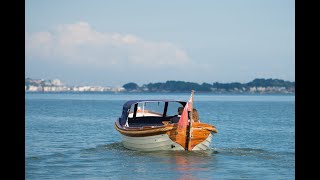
(114, 42)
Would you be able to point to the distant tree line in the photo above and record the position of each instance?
(33, 82)
(257, 85)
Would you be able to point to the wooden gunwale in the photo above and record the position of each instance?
(144, 131)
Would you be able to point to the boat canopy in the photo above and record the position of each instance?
(128, 104)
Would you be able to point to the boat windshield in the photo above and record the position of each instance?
(147, 109)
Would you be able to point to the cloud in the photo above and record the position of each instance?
(80, 44)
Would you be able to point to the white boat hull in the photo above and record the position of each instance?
(204, 145)
(159, 142)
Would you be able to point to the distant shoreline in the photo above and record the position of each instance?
(257, 86)
(108, 92)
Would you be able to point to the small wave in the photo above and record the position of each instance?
(114, 146)
(103, 147)
(46, 156)
(240, 151)
(260, 153)
(34, 158)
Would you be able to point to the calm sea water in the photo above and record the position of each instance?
(72, 136)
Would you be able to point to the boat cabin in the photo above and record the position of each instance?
(141, 113)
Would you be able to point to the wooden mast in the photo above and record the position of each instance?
(189, 128)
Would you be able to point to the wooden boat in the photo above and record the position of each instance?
(145, 126)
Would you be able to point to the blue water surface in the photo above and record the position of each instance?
(72, 136)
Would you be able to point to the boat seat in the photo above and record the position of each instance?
(147, 121)
(144, 124)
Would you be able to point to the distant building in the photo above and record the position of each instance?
(35, 88)
(56, 82)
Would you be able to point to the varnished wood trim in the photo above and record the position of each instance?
(143, 131)
(179, 135)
